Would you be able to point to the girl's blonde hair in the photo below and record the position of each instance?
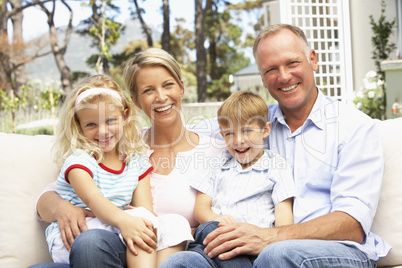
(243, 107)
(70, 137)
(149, 57)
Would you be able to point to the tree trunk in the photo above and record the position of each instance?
(18, 52)
(166, 26)
(11, 61)
(214, 73)
(58, 52)
(5, 66)
(102, 65)
(145, 27)
(201, 64)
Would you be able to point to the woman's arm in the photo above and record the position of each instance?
(284, 212)
(71, 219)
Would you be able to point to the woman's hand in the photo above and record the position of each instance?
(71, 221)
(138, 231)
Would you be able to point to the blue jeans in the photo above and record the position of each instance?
(242, 261)
(94, 248)
(291, 253)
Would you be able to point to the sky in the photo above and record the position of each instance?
(34, 22)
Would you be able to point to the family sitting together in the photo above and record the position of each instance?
(294, 184)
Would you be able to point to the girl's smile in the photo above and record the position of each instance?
(102, 122)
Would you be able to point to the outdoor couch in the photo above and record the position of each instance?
(26, 167)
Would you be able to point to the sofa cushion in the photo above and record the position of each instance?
(387, 222)
(26, 168)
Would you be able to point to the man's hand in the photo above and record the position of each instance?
(230, 240)
(71, 221)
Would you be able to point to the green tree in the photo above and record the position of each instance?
(12, 103)
(120, 59)
(104, 31)
(382, 31)
(181, 43)
(49, 99)
(224, 51)
(253, 8)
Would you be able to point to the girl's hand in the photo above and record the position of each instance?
(228, 219)
(138, 231)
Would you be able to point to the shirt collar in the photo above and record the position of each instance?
(315, 117)
(230, 162)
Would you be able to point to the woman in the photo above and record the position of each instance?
(178, 155)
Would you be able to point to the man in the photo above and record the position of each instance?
(337, 161)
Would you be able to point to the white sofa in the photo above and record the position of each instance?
(26, 167)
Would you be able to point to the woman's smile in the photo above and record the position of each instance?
(163, 109)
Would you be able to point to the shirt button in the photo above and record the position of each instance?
(290, 138)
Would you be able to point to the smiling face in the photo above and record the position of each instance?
(287, 72)
(103, 123)
(159, 94)
(245, 142)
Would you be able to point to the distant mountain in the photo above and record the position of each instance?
(79, 49)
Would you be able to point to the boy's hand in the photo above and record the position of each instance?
(138, 231)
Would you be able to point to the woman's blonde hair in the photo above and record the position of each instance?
(243, 107)
(70, 137)
(149, 57)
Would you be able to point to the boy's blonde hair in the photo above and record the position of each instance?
(149, 57)
(243, 107)
(70, 137)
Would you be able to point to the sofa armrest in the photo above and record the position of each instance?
(387, 222)
(26, 167)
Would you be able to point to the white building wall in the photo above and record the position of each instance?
(361, 34)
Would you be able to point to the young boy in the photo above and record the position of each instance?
(251, 184)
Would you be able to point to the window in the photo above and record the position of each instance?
(326, 25)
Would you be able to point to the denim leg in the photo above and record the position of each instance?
(98, 248)
(49, 265)
(312, 253)
(186, 259)
(242, 261)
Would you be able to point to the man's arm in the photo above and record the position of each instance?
(231, 240)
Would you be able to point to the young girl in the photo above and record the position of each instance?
(99, 147)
